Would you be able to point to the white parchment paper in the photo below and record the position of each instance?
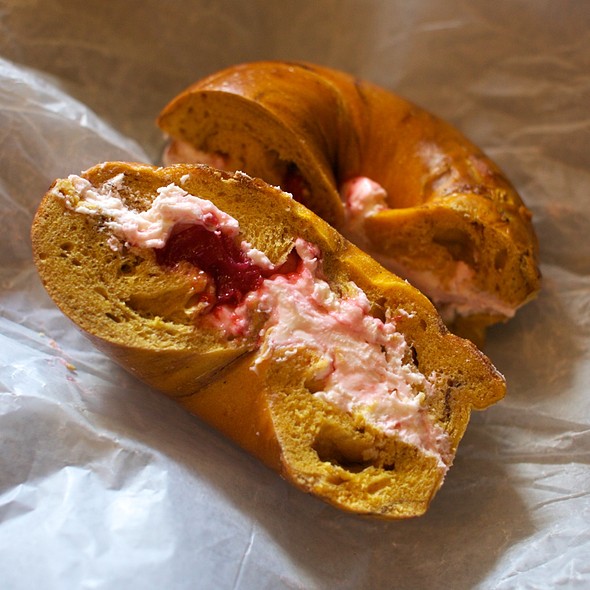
(106, 484)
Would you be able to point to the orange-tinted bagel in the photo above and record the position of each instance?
(156, 320)
(452, 223)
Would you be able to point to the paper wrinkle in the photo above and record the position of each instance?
(106, 484)
(244, 559)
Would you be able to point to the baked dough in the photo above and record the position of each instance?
(402, 184)
(271, 365)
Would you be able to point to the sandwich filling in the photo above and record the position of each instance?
(364, 365)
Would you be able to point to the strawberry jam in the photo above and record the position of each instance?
(217, 254)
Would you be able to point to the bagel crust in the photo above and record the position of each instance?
(257, 316)
(400, 183)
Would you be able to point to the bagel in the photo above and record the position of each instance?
(254, 314)
(400, 183)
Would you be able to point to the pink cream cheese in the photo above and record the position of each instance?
(361, 367)
(181, 152)
(362, 197)
(173, 208)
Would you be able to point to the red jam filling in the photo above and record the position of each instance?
(219, 255)
(233, 273)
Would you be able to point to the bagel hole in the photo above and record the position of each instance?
(379, 484)
(378, 309)
(126, 268)
(411, 357)
(113, 318)
(335, 445)
(446, 417)
(138, 306)
(314, 385)
(336, 479)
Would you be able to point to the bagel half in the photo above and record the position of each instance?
(399, 182)
(293, 342)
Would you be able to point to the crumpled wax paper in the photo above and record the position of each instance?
(106, 484)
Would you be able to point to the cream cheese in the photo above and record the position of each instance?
(362, 197)
(362, 367)
(456, 295)
(172, 208)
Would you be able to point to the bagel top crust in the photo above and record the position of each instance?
(449, 208)
(141, 314)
